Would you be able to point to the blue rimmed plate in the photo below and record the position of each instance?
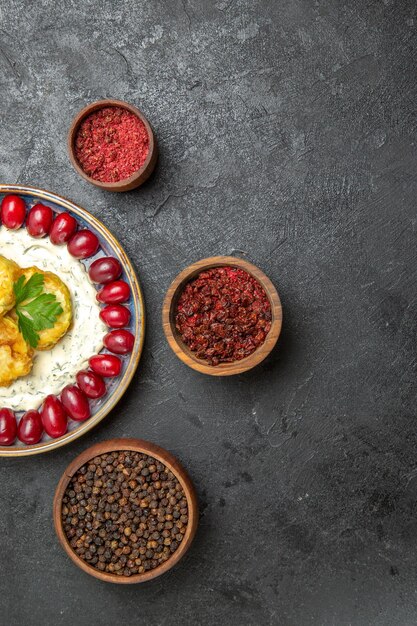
(109, 246)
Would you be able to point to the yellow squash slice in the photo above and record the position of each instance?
(15, 353)
(9, 273)
(53, 284)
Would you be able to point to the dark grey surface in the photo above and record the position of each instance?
(287, 133)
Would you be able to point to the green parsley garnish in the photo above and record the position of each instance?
(35, 310)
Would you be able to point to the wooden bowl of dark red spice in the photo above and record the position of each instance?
(222, 316)
(111, 145)
(125, 511)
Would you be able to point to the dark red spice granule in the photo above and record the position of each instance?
(223, 315)
(111, 144)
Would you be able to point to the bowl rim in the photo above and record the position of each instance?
(179, 347)
(95, 106)
(139, 308)
(153, 450)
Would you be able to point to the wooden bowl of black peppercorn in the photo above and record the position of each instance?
(125, 511)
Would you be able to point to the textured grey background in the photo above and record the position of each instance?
(287, 133)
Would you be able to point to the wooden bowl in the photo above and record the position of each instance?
(139, 177)
(182, 350)
(137, 445)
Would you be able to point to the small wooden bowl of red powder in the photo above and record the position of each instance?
(222, 316)
(111, 145)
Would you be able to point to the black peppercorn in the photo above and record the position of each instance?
(124, 513)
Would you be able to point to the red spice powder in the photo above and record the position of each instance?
(111, 144)
(223, 315)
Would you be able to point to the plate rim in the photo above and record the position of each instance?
(139, 306)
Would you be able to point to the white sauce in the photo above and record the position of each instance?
(53, 369)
